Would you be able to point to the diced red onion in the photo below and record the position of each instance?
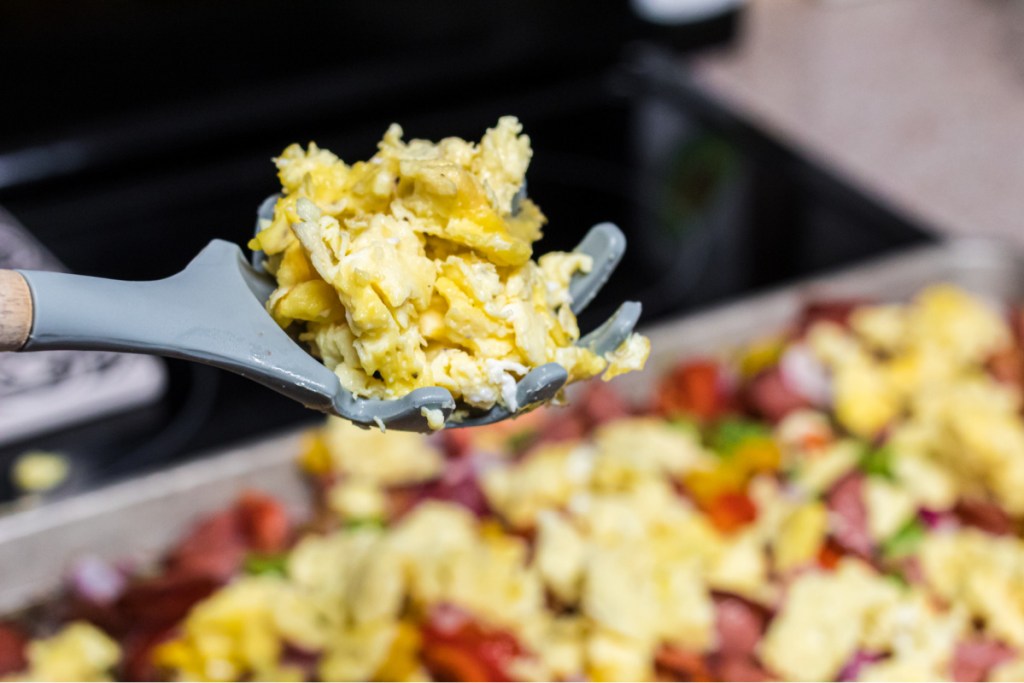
(96, 580)
(858, 661)
(936, 519)
(804, 373)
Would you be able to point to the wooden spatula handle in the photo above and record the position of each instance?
(15, 311)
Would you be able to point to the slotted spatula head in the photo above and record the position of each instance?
(604, 243)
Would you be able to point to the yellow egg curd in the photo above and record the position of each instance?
(412, 270)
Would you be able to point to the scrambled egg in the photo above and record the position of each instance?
(344, 594)
(78, 652)
(799, 536)
(1012, 670)
(593, 560)
(414, 269)
(823, 621)
(982, 574)
(614, 543)
(401, 458)
(894, 355)
(918, 370)
(829, 617)
(37, 471)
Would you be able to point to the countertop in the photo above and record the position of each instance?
(917, 102)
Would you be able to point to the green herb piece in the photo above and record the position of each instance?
(877, 462)
(897, 578)
(364, 523)
(905, 541)
(730, 434)
(266, 565)
(520, 441)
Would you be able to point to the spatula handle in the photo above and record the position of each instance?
(15, 310)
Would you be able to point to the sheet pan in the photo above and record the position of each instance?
(140, 517)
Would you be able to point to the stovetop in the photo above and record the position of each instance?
(713, 208)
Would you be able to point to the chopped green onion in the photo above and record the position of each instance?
(730, 434)
(897, 578)
(364, 523)
(905, 541)
(520, 441)
(877, 462)
(266, 565)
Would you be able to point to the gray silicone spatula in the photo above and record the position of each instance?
(213, 312)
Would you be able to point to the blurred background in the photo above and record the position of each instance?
(738, 144)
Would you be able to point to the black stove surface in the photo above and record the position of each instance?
(713, 209)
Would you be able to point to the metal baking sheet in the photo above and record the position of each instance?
(138, 518)
(141, 517)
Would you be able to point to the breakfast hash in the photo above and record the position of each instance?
(414, 269)
(841, 501)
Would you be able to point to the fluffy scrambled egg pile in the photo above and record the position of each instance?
(918, 372)
(414, 269)
(630, 563)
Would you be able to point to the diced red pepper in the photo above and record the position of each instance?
(693, 388)
(454, 663)
(815, 441)
(218, 545)
(458, 648)
(731, 511)
(830, 554)
(264, 522)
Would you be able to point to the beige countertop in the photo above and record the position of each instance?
(918, 102)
